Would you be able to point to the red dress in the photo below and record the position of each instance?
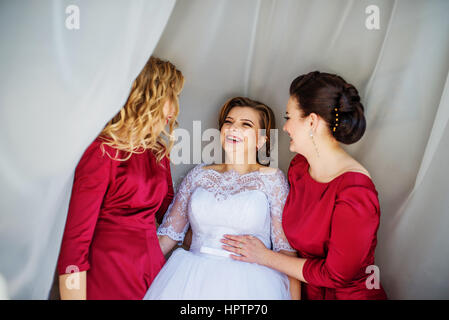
(110, 230)
(333, 225)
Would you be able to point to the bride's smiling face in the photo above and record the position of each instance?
(240, 133)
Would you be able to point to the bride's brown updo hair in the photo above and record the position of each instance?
(322, 93)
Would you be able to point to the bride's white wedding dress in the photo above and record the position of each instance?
(215, 204)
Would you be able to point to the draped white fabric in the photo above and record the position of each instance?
(60, 87)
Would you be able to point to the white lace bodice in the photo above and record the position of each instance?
(215, 203)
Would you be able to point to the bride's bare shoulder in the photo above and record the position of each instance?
(268, 170)
(216, 167)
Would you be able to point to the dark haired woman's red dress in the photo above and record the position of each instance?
(110, 230)
(333, 225)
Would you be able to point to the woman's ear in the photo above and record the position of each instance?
(313, 121)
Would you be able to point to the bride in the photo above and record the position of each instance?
(238, 197)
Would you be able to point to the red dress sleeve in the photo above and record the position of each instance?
(297, 167)
(170, 193)
(353, 233)
(90, 184)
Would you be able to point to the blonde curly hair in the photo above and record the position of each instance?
(140, 124)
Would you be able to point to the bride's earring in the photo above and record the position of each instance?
(313, 141)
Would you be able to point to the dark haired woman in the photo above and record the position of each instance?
(240, 196)
(332, 213)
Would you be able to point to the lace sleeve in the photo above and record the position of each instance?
(277, 187)
(176, 220)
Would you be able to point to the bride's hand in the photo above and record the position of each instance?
(249, 248)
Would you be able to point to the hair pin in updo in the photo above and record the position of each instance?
(336, 118)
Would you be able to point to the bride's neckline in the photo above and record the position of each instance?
(232, 172)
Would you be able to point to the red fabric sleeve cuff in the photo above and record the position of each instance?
(308, 270)
(71, 268)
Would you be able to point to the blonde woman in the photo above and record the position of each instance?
(122, 183)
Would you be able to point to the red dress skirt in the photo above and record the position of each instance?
(333, 225)
(110, 230)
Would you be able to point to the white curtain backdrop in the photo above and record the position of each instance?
(59, 88)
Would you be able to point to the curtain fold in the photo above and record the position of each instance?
(60, 86)
(439, 125)
(415, 245)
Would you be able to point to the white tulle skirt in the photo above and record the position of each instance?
(199, 276)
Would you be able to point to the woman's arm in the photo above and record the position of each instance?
(72, 286)
(295, 284)
(166, 243)
(251, 249)
(174, 227)
(292, 266)
(277, 191)
(89, 188)
(354, 226)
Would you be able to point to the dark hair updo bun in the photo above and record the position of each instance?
(320, 93)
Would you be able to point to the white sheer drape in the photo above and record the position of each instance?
(59, 87)
(257, 48)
